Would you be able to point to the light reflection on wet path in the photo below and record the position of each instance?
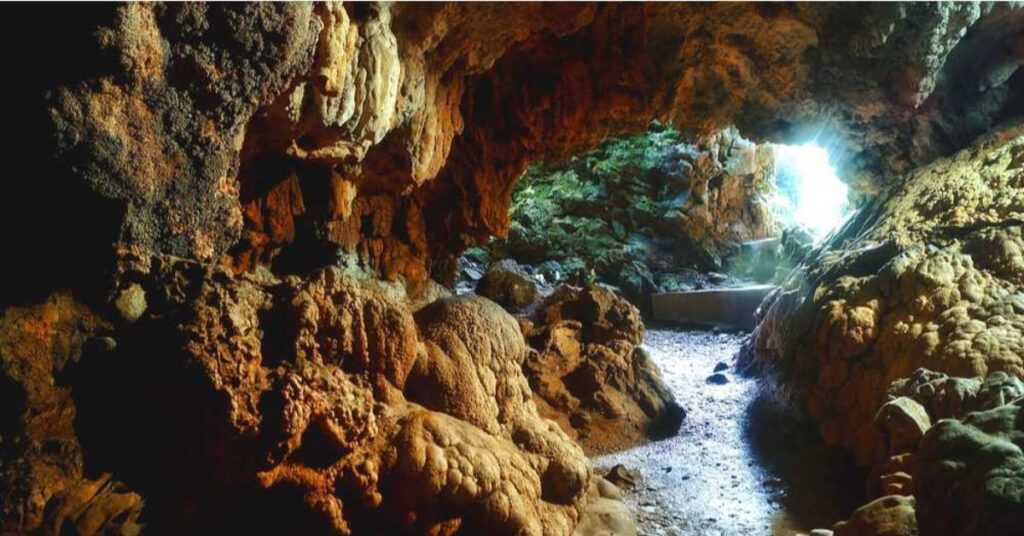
(737, 466)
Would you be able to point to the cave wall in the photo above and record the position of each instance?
(929, 275)
(231, 134)
(170, 154)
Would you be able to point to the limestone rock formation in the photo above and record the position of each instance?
(278, 134)
(928, 275)
(589, 373)
(726, 202)
(324, 396)
(969, 476)
(191, 177)
(893, 515)
(42, 480)
(960, 475)
(965, 469)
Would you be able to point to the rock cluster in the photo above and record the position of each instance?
(953, 462)
(323, 396)
(589, 373)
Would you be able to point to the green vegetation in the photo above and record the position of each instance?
(601, 214)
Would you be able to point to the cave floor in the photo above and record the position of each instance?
(739, 464)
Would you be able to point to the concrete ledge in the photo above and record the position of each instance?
(732, 307)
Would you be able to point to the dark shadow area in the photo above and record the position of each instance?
(58, 232)
(144, 416)
(817, 485)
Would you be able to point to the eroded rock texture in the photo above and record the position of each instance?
(954, 464)
(589, 373)
(42, 482)
(190, 176)
(929, 275)
(246, 134)
(323, 400)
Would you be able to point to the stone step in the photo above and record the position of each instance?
(725, 307)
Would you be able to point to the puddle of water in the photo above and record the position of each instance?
(739, 465)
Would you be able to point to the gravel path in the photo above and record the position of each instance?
(738, 466)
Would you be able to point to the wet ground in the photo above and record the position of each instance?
(740, 465)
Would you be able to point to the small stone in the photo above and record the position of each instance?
(717, 278)
(131, 302)
(622, 477)
(905, 422)
(608, 490)
(720, 366)
(718, 379)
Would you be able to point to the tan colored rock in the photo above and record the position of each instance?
(912, 282)
(726, 202)
(324, 400)
(605, 514)
(41, 462)
(888, 516)
(95, 508)
(588, 372)
(904, 423)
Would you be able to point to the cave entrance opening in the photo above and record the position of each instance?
(809, 192)
(721, 217)
(716, 223)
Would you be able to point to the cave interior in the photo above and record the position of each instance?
(402, 268)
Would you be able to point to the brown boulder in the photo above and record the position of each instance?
(589, 374)
(507, 284)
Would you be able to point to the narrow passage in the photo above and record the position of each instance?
(739, 465)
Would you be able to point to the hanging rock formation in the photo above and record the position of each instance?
(248, 134)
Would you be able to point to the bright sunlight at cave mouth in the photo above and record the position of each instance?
(810, 192)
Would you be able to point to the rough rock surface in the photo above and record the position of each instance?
(187, 148)
(965, 470)
(970, 474)
(508, 285)
(893, 515)
(960, 475)
(325, 397)
(727, 198)
(42, 481)
(249, 134)
(928, 275)
(589, 373)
